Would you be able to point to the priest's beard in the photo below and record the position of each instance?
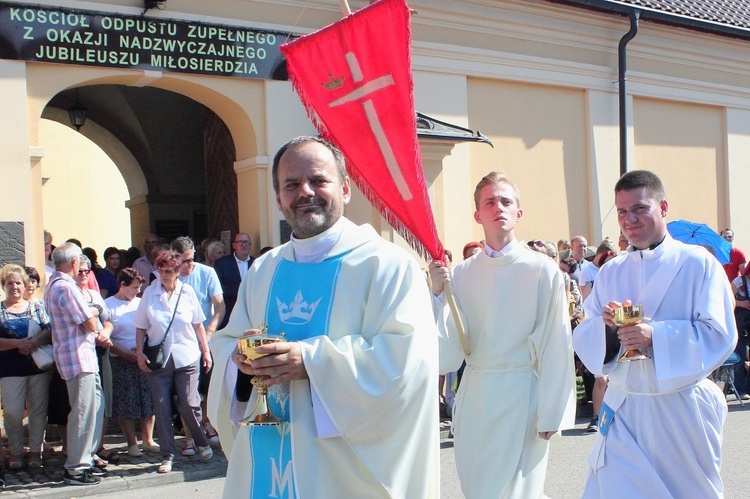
(310, 216)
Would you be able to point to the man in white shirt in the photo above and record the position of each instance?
(578, 251)
(660, 425)
(357, 377)
(518, 388)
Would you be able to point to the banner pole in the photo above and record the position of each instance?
(457, 318)
(345, 7)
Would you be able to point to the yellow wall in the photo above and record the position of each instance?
(534, 77)
(85, 194)
(539, 136)
(683, 143)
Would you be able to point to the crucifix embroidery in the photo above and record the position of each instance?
(361, 93)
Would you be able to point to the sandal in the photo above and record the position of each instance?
(109, 456)
(99, 462)
(165, 466)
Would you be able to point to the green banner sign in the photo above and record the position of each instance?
(41, 34)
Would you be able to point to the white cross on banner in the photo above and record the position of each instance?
(354, 79)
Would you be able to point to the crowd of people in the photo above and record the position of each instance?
(366, 337)
(75, 360)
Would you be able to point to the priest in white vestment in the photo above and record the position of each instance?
(356, 381)
(660, 426)
(518, 387)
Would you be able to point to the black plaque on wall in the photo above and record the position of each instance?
(90, 38)
(12, 247)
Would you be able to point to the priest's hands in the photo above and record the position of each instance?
(282, 362)
(608, 312)
(439, 275)
(635, 337)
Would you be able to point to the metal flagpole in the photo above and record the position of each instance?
(345, 7)
(457, 318)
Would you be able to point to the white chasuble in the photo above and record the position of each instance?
(664, 433)
(371, 359)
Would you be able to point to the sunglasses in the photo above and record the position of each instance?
(84, 271)
(243, 243)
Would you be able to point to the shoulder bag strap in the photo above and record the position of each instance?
(169, 326)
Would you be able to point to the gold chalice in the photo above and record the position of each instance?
(628, 316)
(247, 345)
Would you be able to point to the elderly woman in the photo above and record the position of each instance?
(170, 311)
(131, 398)
(103, 342)
(24, 327)
(215, 249)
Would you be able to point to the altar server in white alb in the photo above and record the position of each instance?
(660, 426)
(357, 380)
(518, 388)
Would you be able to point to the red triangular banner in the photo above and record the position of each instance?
(354, 79)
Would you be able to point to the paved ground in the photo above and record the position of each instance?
(137, 477)
(130, 473)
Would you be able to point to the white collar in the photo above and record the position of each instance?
(314, 249)
(493, 253)
(238, 260)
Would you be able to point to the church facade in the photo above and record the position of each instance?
(190, 101)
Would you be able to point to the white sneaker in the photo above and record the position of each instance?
(189, 449)
(206, 452)
(134, 451)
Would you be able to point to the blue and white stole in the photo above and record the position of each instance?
(299, 305)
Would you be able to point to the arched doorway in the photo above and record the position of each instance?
(175, 155)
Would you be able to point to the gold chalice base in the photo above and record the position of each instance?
(262, 414)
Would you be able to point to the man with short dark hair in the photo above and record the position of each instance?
(660, 425)
(74, 333)
(355, 383)
(231, 269)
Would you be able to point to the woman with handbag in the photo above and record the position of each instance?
(130, 391)
(24, 327)
(170, 320)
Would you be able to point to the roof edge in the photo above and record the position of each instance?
(648, 14)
